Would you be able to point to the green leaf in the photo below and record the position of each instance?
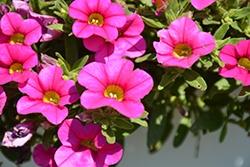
(223, 133)
(58, 27)
(147, 2)
(181, 134)
(146, 57)
(80, 63)
(235, 26)
(221, 31)
(208, 21)
(140, 122)
(153, 23)
(122, 123)
(109, 135)
(170, 75)
(195, 80)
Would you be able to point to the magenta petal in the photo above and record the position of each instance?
(111, 33)
(10, 23)
(229, 72)
(243, 48)
(130, 109)
(68, 92)
(94, 43)
(105, 52)
(26, 105)
(134, 25)
(5, 75)
(6, 57)
(111, 153)
(32, 30)
(82, 29)
(93, 100)
(67, 157)
(204, 45)
(44, 157)
(201, 4)
(136, 49)
(78, 10)
(3, 99)
(54, 114)
(116, 15)
(228, 55)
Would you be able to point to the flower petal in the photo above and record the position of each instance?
(10, 23)
(201, 4)
(3, 99)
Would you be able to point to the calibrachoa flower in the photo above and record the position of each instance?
(43, 156)
(115, 84)
(85, 146)
(201, 4)
(129, 42)
(48, 93)
(19, 135)
(160, 5)
(96, 17)
(3, 99)
(16, 30)
(237, 61)
(16, 62)
(182, 44)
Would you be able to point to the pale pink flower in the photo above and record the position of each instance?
(44, 156)
(97, 17)
(237, 61)
(85, 146)
(16, 63)
(182, 44)
(3, 99)
(115, 84)
(48, 93)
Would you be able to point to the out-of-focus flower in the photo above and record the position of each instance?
(85, 146)
(161, 5)
(3, 99)
(16, 62)
(97, 17)
(43, 156)
(19, 135)
(182, 44)
(48, 93)
(19, 31)
(3, 9)
(115, 84)
(23, 8)
(201, 4)
(129, 42)
(237, 61)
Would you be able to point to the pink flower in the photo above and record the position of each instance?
(182, 44)
(16, 30)
(115, 84)
(48, 93)
(44, 157)
(237, 61)
(16, 62)
(97, 17)
(3, 99)
(201, 4)
(129, 42)
(85, 146)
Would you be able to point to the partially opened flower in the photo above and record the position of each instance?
(182, 44)
(43, 156)
(128, 44)
(16, 62)
(115, 84)
(85, 146)
(48, 93)
(19, 30)
(97, 17)
(237, 61)
(3, 99)
(201, 4)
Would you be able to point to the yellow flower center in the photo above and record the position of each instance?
(51, 97)
(182, 50)
(244, 62)
(16, 67)
(96, 19)
(17, 38)
(114, 92)
(89, 144)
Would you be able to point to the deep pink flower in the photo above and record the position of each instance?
(201, 4)
(16, 62)
(129, 42)
(85, 146)
(43, 156)
(16, 30)
(97, 17)
(237, 61)
(48, 93)
(3, 99)
(115, 84)
(182, 44)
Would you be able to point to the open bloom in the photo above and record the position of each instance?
(43, 156)
(115, 84)
(16, 62)
(129, 42)
(48, 93)
(182, 44)
(201, 4)
(237, 61)
(3, 99)
(97, 17)
(16, 30)
(85, 146)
